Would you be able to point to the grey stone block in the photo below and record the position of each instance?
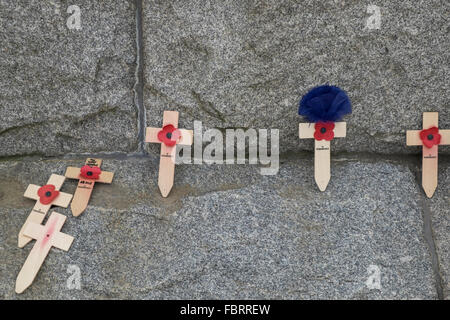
(439, 209)
(229, 232)
(246, 64)
(64, 90)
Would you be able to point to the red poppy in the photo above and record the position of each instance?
(324, 130)
(89, 172)
(47, 194)
(430, 137)
(169, 135)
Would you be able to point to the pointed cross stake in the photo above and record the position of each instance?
(40, 209)
(85, 186)
(168, 153)
(322, 151)
(429, 155)
(47, 236)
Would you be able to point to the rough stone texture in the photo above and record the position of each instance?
(227, 231)
(67, 91)
(246, 64)
(439, 209)
(243, 236)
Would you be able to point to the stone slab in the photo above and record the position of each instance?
(245, 64)
(228, 232)
(65, 90)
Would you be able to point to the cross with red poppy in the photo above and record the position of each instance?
(46, 196)
(429, 138)
(47, 236)
(169, 136)
(323, 133)
(88, 175)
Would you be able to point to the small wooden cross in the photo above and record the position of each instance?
(168, 153)
(43, 205)
(47, 236)
(85, 185)
(322, 173)
(429, 155)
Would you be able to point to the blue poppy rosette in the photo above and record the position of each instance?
(325, 104)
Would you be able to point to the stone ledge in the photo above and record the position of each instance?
(228, 232)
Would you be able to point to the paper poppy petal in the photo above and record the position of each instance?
(434, 131)
(161, 135)
(44, 189)
(329, 125)
(175, 134)
(170, 143)
(42, 193)
(318, 136)
(329, 135)
(95, 172)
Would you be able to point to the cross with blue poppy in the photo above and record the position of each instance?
(45, 196)
(323, 107)
(169, 136)
(323, 133)
(429, 138)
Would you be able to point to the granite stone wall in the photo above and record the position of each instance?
(81, 78)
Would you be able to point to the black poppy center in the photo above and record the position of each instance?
(89, 173)
(48, 193)
(169, 135)
(323, 130)
(430, 137)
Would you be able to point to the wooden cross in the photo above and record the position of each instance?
(168, 153)
(429, 155)
(40, 209)
(85, 185)
(47, 236)
(322, 173)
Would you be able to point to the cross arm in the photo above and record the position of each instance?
(413, 137)
(306, 130)
(59, 240)
(32, 192)
(445, 137)
(105, 177)
(62, 200)
(62, 241)
(56, 180)
(72, 173)
(151, 135)
(34, 230)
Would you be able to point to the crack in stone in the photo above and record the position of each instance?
(208, 107)
(104, 109)
(152, 90)
(27, 126)
(139, 77)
